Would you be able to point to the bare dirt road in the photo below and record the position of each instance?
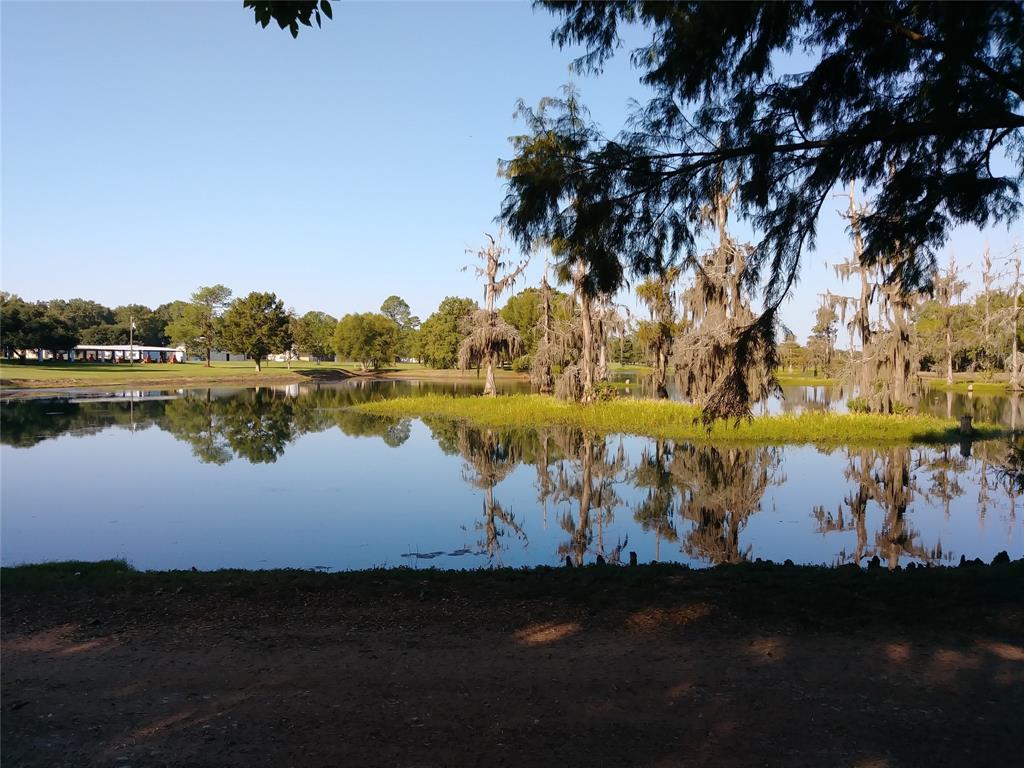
(790, 667)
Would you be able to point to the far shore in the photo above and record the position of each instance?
(18, 379)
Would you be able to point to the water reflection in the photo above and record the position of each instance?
(1004, 409)
(256, 425)
(513, 497)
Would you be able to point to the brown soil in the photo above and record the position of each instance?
(410, 672)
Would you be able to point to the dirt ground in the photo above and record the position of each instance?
(433, 672)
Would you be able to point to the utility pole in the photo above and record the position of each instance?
(131, 340)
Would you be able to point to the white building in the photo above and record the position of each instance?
(123, 353)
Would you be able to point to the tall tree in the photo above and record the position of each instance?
(256, 325)
(522, 311)
(368, 338)
(1015, 372)
(396, 309)
(441, 333)
(659, 294)
(489, 339)
(718, 364)
(913, 99)
(149, 326)
(824, 332)
(948, 288)
(199, 324)
(80, 314)
(313, 335)
(25, 326)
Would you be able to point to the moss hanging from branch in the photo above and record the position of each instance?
(489, 340)
(726, 358)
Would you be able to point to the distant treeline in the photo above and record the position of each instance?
(258, 325)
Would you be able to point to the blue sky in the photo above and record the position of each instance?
(149, 148)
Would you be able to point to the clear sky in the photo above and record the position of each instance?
(149, 148)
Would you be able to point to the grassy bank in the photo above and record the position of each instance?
(977, 387)
(802, 380)
(27, 375)
(677, 421)
(422, 373)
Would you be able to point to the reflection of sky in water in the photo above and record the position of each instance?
(999, 409)
(353, 494)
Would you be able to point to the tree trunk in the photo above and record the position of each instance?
(258, 368)
(661, 374)
(586, 490)
(588, 348)
(209, 355)
(1015, 372)
(949, 355)
(602, 361)
(489, 387)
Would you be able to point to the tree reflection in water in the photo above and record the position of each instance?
(587, 480)
(656, 512)
(720, 489)
(489, 459)
(258, 425)
(694, 500)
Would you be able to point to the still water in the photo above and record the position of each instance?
(291, 477)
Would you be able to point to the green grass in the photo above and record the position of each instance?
(630, 368)
(980, 387)
(27, 375)
(677, 421)
(802, 380)
(53, 373)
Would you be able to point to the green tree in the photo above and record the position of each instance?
(368, 338)
(149, 326)
(441, 333)
(256, 325)
(657, 335)
(108, 333)
(25, 326)
(313, 334)
(199, 324)
(910, 99)
(823, 334)
(81, 314)
(522, 311)
(396, 309)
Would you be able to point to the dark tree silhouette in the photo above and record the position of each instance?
(911, 99)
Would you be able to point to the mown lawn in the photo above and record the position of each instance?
(802, 380)
(51, 373)
(678, 421)
(26, 375)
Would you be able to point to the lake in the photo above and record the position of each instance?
(290, 476)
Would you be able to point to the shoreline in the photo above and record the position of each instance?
(174, 377)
